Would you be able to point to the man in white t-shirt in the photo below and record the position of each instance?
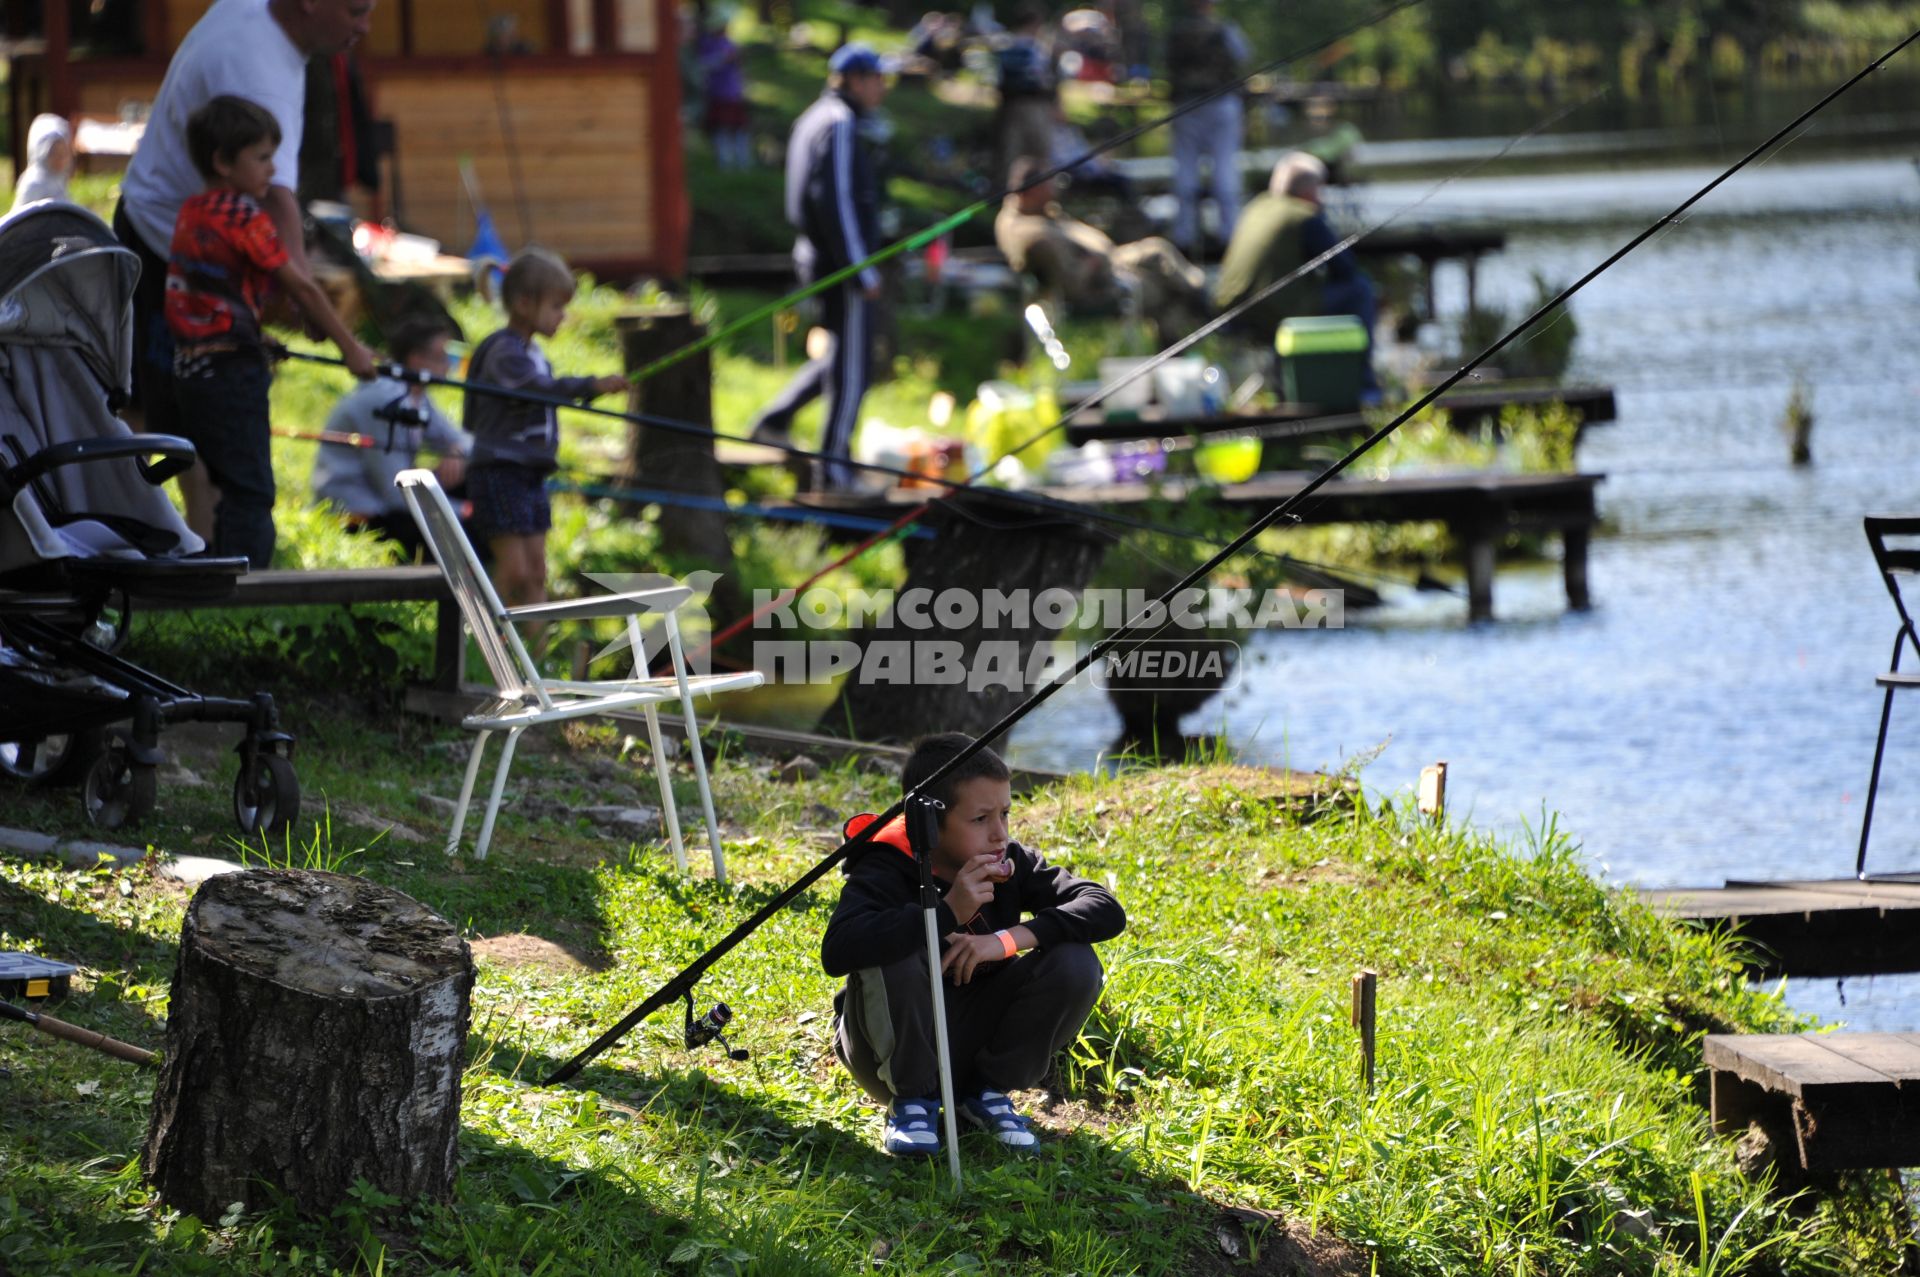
(255, 49)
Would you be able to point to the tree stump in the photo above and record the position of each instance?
(315, 1037)
(989, 546)
(658, 458)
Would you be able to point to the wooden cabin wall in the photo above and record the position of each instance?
(181, 15)
(101, 95)
(439, 26)
(583, 138)
(459, 27)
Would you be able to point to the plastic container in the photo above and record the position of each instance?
(1323, 360)
(1004, 416)
(23, 975)
(1135, 395)
(1177, 385)
(1233, 459)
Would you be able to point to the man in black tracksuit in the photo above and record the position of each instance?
(1021, 975)
(833, 201)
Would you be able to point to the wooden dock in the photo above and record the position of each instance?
(1284, 422)
(1479, 508)
(1830, 1102)
(1811, 927)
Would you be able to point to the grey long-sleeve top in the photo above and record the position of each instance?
(360, 480)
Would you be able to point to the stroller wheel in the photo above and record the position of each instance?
(118, 791)
(51, 760)
(266, 796)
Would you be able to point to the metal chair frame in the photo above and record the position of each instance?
(526, 697)
(1894, 562)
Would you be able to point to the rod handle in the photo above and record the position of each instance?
(98, 1041)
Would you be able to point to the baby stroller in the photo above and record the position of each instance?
(86, 535)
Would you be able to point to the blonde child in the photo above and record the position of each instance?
(516, 443)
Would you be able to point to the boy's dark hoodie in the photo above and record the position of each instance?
(878, 920)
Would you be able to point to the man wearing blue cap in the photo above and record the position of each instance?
(833, 201)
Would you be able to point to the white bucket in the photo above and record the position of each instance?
(1135, 394)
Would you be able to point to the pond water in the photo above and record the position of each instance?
(1714, 714)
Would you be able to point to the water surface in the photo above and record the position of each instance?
(1714, 714)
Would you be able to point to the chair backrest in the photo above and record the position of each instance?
(506, 658)
(1896, 561)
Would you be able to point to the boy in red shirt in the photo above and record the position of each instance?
(224, 258)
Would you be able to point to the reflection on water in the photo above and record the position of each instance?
(1714, 715)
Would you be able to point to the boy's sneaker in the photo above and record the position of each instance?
(913, 1127)
(991, 1111)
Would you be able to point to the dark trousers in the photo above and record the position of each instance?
(1003, 1028)
(223, 413)
(152, 343)
(841, 374)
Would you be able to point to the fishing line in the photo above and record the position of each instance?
(921, 239)
(1099, 396)
(683, 982)
(1067, 510)
(1259, 295)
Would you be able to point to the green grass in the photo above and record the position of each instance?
(1537, 1111)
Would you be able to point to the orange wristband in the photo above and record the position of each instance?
(1006, 942)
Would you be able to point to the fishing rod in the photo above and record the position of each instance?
(921, 239)
(1099, 396)
(1075, 512)
(683, 982)
(81, 1037)
(1068, 510)
(1214, 325)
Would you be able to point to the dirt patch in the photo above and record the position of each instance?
(1266, 1243)
(1059, 1117)
(523, 950)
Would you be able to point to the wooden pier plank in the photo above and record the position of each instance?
(1896, 1055)
(1869, 894)
(1843, 1101)
(1795, 1064)
(1703, 904)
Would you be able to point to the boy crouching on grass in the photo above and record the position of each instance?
(1021, 975)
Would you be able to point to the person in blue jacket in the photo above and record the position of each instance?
(833, 202)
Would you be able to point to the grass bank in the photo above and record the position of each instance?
(1537, 1110)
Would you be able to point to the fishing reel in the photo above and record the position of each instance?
(402, 413)
(709, 1028)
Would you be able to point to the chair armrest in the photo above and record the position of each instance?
(665, 599)
(160, 457)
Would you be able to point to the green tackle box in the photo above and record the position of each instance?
(22, 975)
(1323, 360)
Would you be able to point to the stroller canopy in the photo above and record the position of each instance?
(66, 345)
(66, 281)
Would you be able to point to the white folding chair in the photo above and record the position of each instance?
(526, 697)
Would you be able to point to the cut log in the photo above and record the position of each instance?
(315, 1038)
(983, 545)
(658, 458)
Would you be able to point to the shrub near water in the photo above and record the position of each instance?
(1535, 1112)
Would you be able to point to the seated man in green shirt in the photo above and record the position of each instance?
(1085, 270)
(1277, 233)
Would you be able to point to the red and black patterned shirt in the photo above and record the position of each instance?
(225, 252)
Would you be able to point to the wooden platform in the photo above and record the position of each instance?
(339, 586)
(1811, 927)
(1592, 404)
(1835, 1101)
(1480, 509)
